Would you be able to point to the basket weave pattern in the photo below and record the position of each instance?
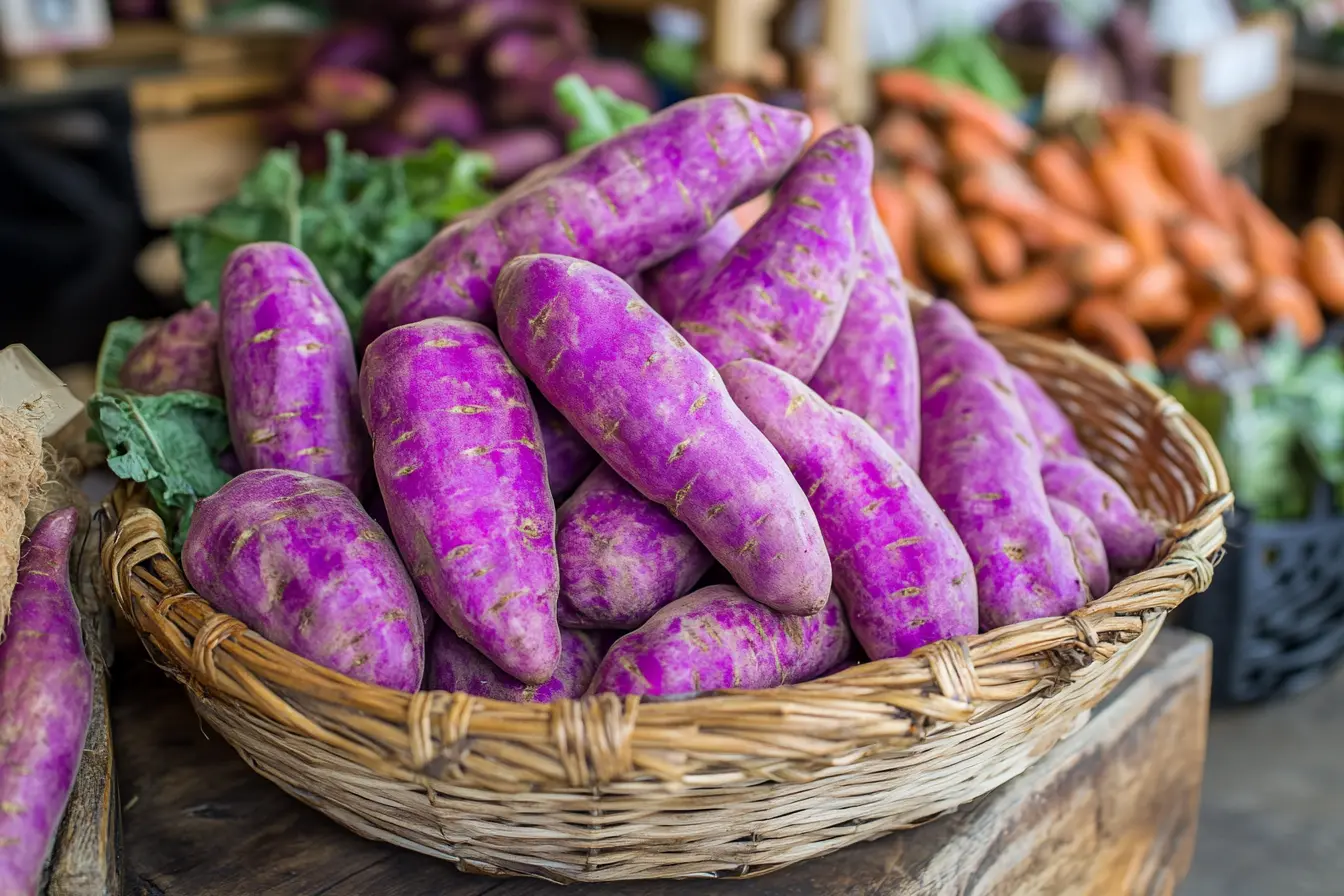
(730, 783)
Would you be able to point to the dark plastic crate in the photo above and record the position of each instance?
(1275, 610)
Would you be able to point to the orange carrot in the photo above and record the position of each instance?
(1193, 335)
(968, 144)
(1058, 173)
(1101, 321)
(1101, 265)
(1001, 250)
(1271, 247)
(1323, 262)
(1134, 214)
(1003, 188)
(1133, 146)
(1155, 297)
(1188, 164)
(916, 90)
(945, 247)
(1282, 299)
(1212, 257)
(1038, 298)
(897, 215)
(749, 212)
(904, 136)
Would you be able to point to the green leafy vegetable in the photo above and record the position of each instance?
(171, 442)
(600, 114)
(121, 336)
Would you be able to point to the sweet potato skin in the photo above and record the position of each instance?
(459, 459)
(898, 565)
(657, 412)
(872, 367)
(299, 560)
(1053, 430)
(626, 203)
(1087, 546)
(568, 457)
(289, 368)
(622, 557)
(718, 637)
(671, 284)
(982, 466)
(179, 353)
(780, 293)
(454, 665)
(46, 693)
(1129, 537)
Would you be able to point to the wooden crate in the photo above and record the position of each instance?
(187, 165)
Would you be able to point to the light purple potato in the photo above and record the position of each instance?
(524, 55)
(780, 294)
(872, 367)
(1087, 546)
(429, 113)
(622, 557)
(668, 286)
(982, 466)
(459, 458)
(1053, 429)
(568, 457)
(454, 665)
(300, 561)
(718, 638)
(626, 203)
(1130, 538)
(656, 411)
(179, 353)
(354, 95)
(46, 694)
(514, 153)
(898, 565)
(289, 367)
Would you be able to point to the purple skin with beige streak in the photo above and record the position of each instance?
(454, 665)
(627, 203)
(898, 566)
(46, 694)
(717, 638)
(622, 557)
(1052, 428)
(983, 467)
(779, 295)
(459, 458)
(1087, 546)
(668, 286)
(872, 367)
(289, 368)
(299, 560)
(658, 413)
(179, 353)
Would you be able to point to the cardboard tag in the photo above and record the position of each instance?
(1243, 65)
(26, 380)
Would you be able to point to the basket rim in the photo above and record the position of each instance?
(888, 700)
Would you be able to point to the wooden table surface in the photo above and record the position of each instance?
(1112, 810)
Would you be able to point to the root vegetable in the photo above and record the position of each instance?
(454, 665)
(180, 353)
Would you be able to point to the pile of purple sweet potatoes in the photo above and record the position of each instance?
(594, 439)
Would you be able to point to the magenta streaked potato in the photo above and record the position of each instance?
(1087, 545)
(671, 284)
(182, 352)
(1130, 538)
(454, 665)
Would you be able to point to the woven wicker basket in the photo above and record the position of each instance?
(728, 784)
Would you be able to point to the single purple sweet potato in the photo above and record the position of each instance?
(898, 565)
(718, 637)
(429, 113)
(658, 413)
(626, 203)
(299, 560)
(458, 453)
(1053, 429)
(1130, 538)
(983, 468)
(1087, 546)
(622, 557)
(46, 693)
(288, 367)
(524, 55)
(872, 367)
(179, 353)
(359, 46)
(568, 457)
(668, 286)
(780, 293)
(454, 665)
(514, 153)
(354, 94)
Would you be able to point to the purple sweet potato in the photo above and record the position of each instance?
(431, 113)
(717, 638)
(1087, 546)
(288, 367)
(299, 560)
(46, 694)
(354, 94)
(1053, 429)
(516, 152)
(568, 457)
(1130, 538)
(626, 203)
(668, 286)
(358, 46)
(454, 665)
(983, 468)
(622, 557)
(872, 367)
(180, 353)
(656, 411)
(524, 55)
(899, 567)
(458, 453)
(780, 293)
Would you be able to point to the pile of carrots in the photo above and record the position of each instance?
(1121, 232)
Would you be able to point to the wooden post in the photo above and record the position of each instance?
(739, 35)
(845, 39)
